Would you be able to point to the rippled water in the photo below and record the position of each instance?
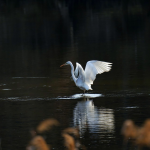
(99, 119)
(33, 87)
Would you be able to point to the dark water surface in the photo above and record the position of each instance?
(33, 87)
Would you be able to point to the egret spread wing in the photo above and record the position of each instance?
(81, 74)
(95, 67)
(76, 72)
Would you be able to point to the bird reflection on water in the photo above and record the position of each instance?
(96, 120)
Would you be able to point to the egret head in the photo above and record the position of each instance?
(67, 63)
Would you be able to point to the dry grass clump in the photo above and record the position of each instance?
(44, 133)
(38, 143)
(46, 125)
(138, 136)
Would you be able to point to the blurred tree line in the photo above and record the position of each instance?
(34, 32)
(44, 6)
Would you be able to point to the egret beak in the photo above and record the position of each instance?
(62, 65)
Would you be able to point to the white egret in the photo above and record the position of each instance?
(84, 79)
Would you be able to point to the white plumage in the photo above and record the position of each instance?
(84, 79)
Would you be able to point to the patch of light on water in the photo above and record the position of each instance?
(2, 84)
(6, 89)
(125, 95)
(78, 96)
(25, 99)
(13, 98)
(28, 77)
(130, 107)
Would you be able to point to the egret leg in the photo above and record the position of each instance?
(83, 93)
